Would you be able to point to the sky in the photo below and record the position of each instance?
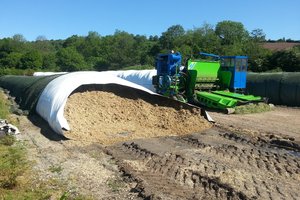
(60, 19)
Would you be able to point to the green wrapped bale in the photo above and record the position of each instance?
(290, 89)
(280, 88)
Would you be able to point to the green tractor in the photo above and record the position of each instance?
(214, 82)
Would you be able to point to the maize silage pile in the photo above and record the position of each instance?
(119, 113)
(102, 107)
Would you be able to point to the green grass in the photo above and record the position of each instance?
(16, 175)
(16, 181)
(30, 195)
(4, 107)
(55, 169)
(12, 162)
(7, 140)
(252, 108)
(115, 184)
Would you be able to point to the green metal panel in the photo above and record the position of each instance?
(206, 70)
(224, 99)
(215, 101)
(238, 96)
(225, 79)
(190, 84)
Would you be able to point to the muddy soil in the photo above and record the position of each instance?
(212, 164)
(230, 160)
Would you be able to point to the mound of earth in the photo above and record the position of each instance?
(106, 117)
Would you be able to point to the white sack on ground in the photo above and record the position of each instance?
(53, 99)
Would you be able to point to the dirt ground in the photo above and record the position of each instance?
(240, 157)
(75, 167)
(283, 121)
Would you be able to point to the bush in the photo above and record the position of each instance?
(286, 60)
(138, 67)
(13, 71)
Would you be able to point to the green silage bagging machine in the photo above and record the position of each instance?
(211, 81)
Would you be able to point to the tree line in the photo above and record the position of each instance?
(123, 50)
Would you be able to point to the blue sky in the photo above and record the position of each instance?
(59, 19)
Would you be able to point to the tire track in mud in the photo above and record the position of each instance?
(177, 168)
(288, 159)
(209, 166)
(263, 142)
(281, 164)
(284, 164)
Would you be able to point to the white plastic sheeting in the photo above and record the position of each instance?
(140, 77)
(54, 97)
(47, 73)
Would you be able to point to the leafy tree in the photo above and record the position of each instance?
(154, 38)
(73, 41)
(233, 49)
(206, 40)
(256, 55)
(186, 52)
(170, 37)
(258, 35)
(90, 46)
(19, 38)
(155, 49)
(41, 38)
(9, 45)
(43, 46)
(12, 60)
(123, 50)
(143, 47)
(49, 62)
(100, 64)
(57, 44)
(31, 60)
(285, 60)
(120, 50)
(296, 50)
(231, 32)
(68, 59)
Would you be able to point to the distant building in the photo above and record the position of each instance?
(280, 46)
